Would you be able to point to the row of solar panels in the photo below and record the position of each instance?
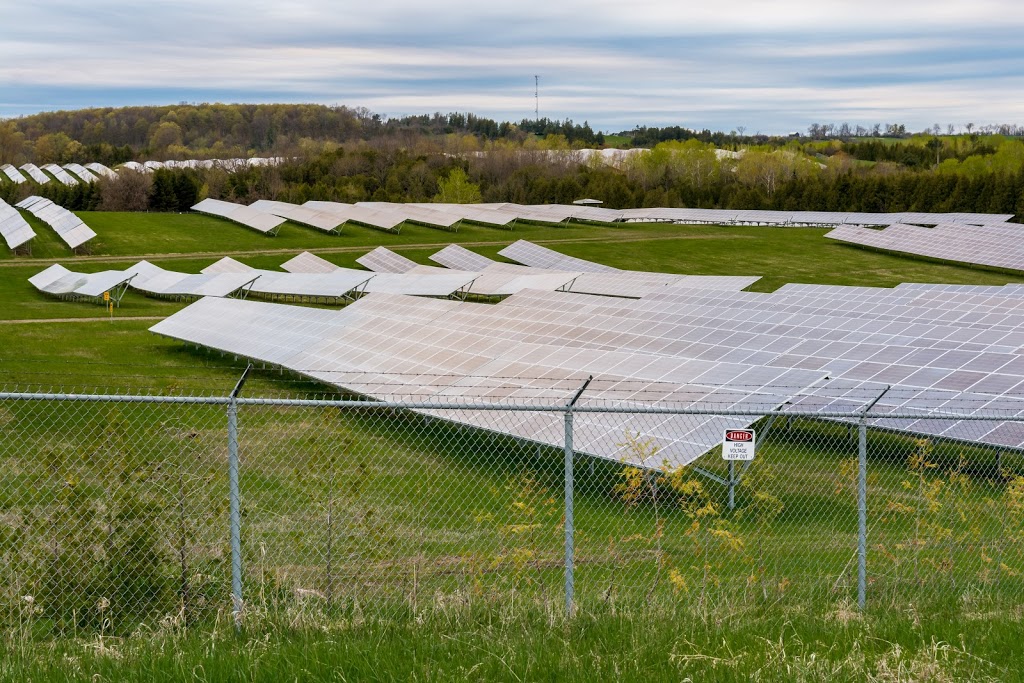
(998, 246)
(331, 216)
(72, 174)
(307, 275)
(925, 349)
(69, 227)
(78, 173)
(14, 228)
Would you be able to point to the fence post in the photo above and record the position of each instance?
(235, 501)
(569, 530)
(862, 513)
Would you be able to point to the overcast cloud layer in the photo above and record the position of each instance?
(765, 66)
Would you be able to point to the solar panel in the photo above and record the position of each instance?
(62, 176)
(100, 169)
(997, 246)
(534, 255)
(383, 347)
(59, 281)
(308, 263)
(156, 281)
(381, 219)
(13, 174)
(67, 225)
(417, 213)
(265, 223)
(460, 258)
(34, 173)
(81, 172)
(227, 265)
(320, 220)
(475, 213)
(382, 260)
(13, 227)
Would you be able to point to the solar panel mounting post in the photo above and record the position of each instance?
(234, 500)
(569, 531)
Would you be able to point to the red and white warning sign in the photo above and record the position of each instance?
(738, 444)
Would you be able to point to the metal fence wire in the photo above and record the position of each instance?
(117, 511)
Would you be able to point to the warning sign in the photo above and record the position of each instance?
(106, 296)
(738, 444)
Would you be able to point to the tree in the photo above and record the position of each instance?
(456, 189)
(129, 191)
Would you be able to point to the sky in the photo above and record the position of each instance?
(769, 66)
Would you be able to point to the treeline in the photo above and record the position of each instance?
(672, 174)
(215, 131)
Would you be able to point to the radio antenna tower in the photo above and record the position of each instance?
(536, 97)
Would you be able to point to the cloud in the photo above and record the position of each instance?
(766, 66)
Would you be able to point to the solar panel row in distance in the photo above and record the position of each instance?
(380, 219)
(265, 223)
(35, 174)
(13, 227)
(67, 225)
(100, 169)
(81, 172)
(13, 174)
(303, 215)
(423, 214)
(997, 246)
(62, 176)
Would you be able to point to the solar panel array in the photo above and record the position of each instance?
(81, 172)
(266, 223)
(937, 350)
(380, 219)
(382, 260)
(13, 174)
(460, 258)
(156, 281)
(385, 346)
(67, 225)
(59, 281)
(321, 220)
(13, 227)
(326, 280)
(424, 214)
(100, 169)
(35, 174)
(62, 176)
(998, 246)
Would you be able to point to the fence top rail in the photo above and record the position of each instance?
(637, 409)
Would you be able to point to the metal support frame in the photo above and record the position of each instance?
(235, 500)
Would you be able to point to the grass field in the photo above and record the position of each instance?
(464, 583)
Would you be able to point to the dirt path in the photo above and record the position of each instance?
(116, 318)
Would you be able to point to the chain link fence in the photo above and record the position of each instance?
(120, 511)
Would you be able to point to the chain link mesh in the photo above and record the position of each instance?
(115, 514)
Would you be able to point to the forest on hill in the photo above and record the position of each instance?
(350, 155)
